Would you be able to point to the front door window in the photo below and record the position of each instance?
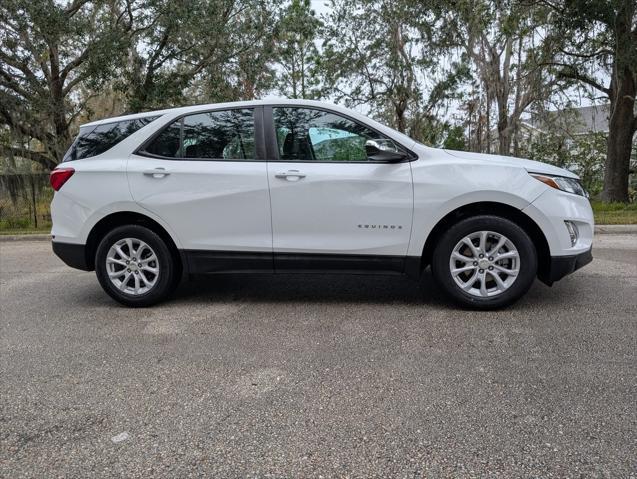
(306, 134)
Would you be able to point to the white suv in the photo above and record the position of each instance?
(304, 186)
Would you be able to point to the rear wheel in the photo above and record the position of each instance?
(134, 266)
(485, 262)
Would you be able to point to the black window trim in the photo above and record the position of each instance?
(257, 115)
(111, 121)
(273, 147)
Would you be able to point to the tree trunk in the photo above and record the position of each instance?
(620, 140)
(621, 126)
(33, 202)
(58, 108)
(617, 164)
(622, 123)
(504, 134)
(293, 78)
(303, 73)
(503, 91)
(488, 119)
(518, 95)
(399, 114)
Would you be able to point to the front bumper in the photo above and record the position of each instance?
(551, 209)
(74, 255)
(561, 266)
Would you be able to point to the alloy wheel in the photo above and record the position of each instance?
(132, 266)
(484, 264)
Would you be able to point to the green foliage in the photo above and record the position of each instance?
(584, 155)
(198, 50)
(15, 223)
(597, 51)
(56, 57)
(455, 139)
(430, 131)
(48, 51)
(369, 58)
(296, 51)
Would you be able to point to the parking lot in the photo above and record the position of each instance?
(308, 376)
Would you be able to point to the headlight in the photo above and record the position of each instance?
(570, 185)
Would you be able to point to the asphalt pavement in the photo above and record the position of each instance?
(317, 375)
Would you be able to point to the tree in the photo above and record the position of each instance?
(47, 51)
(56, 58)
(583, 155)
(249, 73)
(296, 52)
(370, 58)
(199, 50)
(502, 41)
(600, 53)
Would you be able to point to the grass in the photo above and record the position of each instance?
(614, 213)
(26, 231)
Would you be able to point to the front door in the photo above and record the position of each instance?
(203, 176)
(332, 207)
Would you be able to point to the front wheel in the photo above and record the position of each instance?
(134, 266)
(485, 262)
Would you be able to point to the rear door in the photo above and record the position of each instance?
(205, 175)
(332, 207)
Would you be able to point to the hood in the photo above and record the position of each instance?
(529, 165)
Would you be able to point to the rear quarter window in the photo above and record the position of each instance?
(95, 140)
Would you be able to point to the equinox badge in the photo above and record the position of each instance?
(381, 227)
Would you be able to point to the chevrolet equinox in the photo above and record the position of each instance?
(303, 186)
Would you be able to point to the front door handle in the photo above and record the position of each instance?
(290, 175)
(156, 172)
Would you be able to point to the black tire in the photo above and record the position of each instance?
(442, 254)
(167, 278)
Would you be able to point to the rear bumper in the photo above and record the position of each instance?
(73, 255)
(561, 266)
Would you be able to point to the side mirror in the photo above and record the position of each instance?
(383, 150)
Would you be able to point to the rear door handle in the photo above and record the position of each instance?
(156, 172)
(290, 175)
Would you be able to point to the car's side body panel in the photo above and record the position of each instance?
(443, 184)
(341, 208)
(80, 231)
(97, 188)
(213, 205)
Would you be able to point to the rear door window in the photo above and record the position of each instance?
(167, 143)
(95, 140)
(215, 135)
(220, 135)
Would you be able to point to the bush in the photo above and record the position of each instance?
(583, 155)
(15, 223)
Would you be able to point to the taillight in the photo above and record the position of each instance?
(59, 176)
